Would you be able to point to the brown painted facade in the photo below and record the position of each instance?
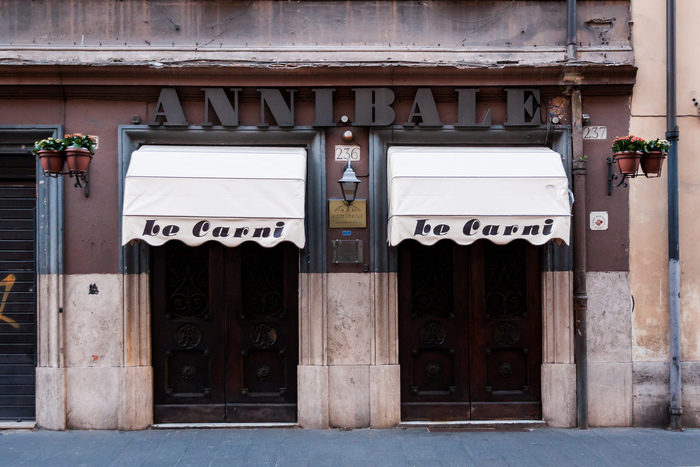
(92, 248)
(108, 79)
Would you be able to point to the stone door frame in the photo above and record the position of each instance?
(558, 375)
(50, 372)
(136, 391)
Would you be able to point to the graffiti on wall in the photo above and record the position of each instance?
(7, 284)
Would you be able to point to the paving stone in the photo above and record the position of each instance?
(371, 448)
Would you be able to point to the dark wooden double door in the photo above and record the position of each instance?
(470, 331)
(224, 327)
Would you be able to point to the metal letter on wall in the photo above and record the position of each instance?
(424, 107)
(377, 101)
(169, 108)
(466, 110)
(219, 102)
(283, 115)
(324, 107)
(523, 107)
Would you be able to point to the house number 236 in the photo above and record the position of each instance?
(345, 152)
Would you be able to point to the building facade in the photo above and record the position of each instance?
(649, 343)
(279, 302)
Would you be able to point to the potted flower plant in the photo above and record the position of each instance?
(655, 151)
(627, 151)
(51, 152)
(79, 151)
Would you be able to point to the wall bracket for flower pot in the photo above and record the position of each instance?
(82, 178)
(651, 164)
(612, 177)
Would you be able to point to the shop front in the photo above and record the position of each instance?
(268, 300)
(249, 291)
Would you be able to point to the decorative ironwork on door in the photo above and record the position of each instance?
(469, 320)
(433, 350)
(224, 332)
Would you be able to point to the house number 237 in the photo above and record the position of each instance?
(595, 132)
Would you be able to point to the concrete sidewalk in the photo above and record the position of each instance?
(398, 446)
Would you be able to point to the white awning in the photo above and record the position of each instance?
(468, 193)
(229, 194)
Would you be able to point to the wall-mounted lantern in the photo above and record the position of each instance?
(349, 183)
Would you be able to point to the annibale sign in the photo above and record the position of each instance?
(373, 108)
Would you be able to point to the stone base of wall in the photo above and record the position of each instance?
(609, 394)
(349, 396)
(312, 396)
(51, 398)
(651, 394)
(559, 394)
(135, 410)
(385, 396)
(92, 398)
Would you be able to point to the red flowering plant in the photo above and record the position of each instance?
(628, 143)
(78, 140)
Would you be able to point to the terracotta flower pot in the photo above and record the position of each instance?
(652, 163)
(78, 159)
(52, 161)
(628, 162)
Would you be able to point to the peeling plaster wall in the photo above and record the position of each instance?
(163, 31)
(648, 214)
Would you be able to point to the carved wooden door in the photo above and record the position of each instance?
(506, 322)
(224, 327)
(434, 337)
(470, 332)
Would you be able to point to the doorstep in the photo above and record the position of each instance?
(195, 426)
(22, 425)
(477, 425)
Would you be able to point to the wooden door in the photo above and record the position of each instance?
(224, 326)
(434, 338)
(506, 321)
(470, 332)
(262, 333)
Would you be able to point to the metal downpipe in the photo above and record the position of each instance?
(570, 30)
(579, 244)
(674, 271)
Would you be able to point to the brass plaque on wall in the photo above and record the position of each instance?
(342, 215)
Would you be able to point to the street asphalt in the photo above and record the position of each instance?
(365, 447)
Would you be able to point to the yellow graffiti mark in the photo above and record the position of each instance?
(7, 282)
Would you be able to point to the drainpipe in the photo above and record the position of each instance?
(674, 269)
(579, 243)
(570, 30)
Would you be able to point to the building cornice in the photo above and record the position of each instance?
(232, 73)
